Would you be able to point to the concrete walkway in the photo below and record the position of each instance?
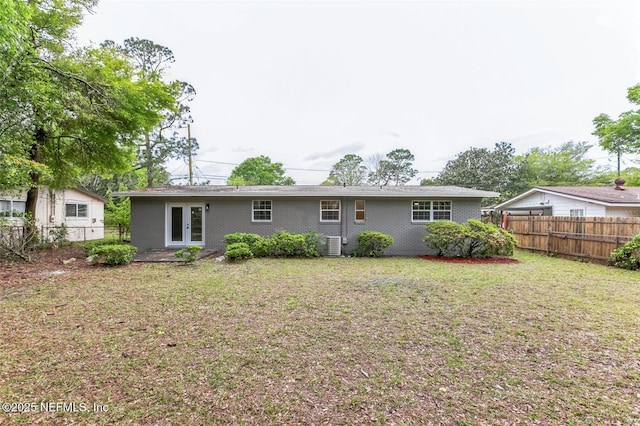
(167, 255)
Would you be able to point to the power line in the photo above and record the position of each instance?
(306, 170)
(218, 162)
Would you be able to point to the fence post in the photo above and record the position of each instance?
(549, 227)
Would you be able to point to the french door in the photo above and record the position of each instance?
(184, 224)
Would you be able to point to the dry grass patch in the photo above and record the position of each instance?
(335, 341)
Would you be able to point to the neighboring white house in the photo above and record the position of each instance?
(79, 211)
(575, 201)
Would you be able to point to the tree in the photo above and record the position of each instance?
(64, 113)
(631, 176)
(105, 184)
(259, 171)
(14, 34)
(395, 167)
(620, 136)
(564, 165)
(163, 141)
(376, 169)
(348, 171)
(481, 168)
(15, 41)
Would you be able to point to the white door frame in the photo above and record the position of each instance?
(185, 223)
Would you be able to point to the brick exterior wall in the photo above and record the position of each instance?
(297, 215)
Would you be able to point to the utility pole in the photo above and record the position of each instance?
(190, 161)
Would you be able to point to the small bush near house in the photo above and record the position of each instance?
(58, 234)
(473, 239)
(89, 246)
(257, 243)
(627, 256)
(491, 240)
(316, 243)
(372, 243)
(238, 251)
(189, 253)
(115, 254)
(447, 238)
(285, 244)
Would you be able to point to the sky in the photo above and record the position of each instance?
(307, 82)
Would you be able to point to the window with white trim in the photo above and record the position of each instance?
(76, 210)
(576, 212)
(12, 209)
(428, 211)
(330, 211)
(359, 205)
(261, 211)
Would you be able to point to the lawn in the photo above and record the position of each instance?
(324, 341)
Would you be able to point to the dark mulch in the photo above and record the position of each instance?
(44, 264)
(489, 260)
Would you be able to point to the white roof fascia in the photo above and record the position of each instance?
(504, 206)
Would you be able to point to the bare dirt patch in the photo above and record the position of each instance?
(470, 260)
(44, 263)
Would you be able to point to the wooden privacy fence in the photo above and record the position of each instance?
(589, 238)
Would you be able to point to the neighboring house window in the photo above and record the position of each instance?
(576, 212)
(76, 210)
(330, 211)
(12, 209)
(359, 210)
(261, 211)
(427, 211)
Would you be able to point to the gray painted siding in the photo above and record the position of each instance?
(147, 223)
(229, 215)
(297, 215)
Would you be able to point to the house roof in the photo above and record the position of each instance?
(91, 194)
(309, 191)
(604, 195)
(21, 193)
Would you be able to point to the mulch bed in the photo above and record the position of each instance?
(488, 260)
(44, 263)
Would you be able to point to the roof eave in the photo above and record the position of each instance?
(276, 194)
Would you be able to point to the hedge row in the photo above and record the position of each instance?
(281, 244)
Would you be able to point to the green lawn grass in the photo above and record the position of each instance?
(326, 341)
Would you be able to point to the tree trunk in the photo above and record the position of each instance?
(32, 194)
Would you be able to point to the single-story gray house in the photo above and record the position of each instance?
(178, 216)
(575, 201)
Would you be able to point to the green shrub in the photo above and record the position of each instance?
(447, 238)
(257, 243)
(189, 253)
(280, 244)
(316, 243)
(115, 254)
(489, 240)
(237, 251)
(372, 243)
(627, 256)
(473, 239)
(285, 244)
(88, 246)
